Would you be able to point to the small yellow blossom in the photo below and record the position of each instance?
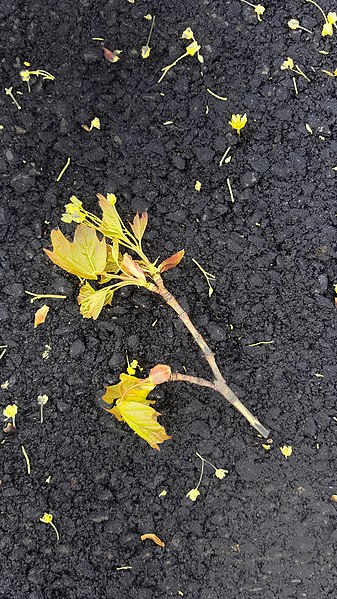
(220, 473)
(193, 494)
(286, 450)
(259, 9)
(197, 186)
(145, 51)
(163, 493)
(131, 369)
(74, 212)
(327, 29)
(96, 123)
(25, 75)
(237, 122)
(48, 519)
(266, 447)
(11, 411)
(192, 48)
(188, 34)
(287, 64)
(293, 24)
(148, 17)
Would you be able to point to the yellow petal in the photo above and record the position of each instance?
(286, 450)
(41, 315)
(96, 123)
(153, 538)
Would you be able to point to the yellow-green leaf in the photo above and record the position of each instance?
(92, 301)
(111, 224)
(143, 420)
(113, 258)
(85, 256)
(130, 388)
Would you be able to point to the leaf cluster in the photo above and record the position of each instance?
(101, 258)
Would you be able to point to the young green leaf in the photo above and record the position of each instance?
(85, 256)
(143, 420)
(111, 224)
(130, 388)
(92, 301)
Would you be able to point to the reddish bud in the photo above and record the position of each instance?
(160, 374)
(110, 56)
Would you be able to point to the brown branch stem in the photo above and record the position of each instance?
(220, 385)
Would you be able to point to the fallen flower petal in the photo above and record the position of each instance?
(41, 315)
(110, 56)
(153, 538)
(286, 450)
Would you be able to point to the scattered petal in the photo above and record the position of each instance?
(286, 450)
(197, 186)
(110, 56)
(153, 538)
(41, 315)
(163, 493)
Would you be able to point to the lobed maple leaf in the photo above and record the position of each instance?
(133, 407)
(85, 256)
